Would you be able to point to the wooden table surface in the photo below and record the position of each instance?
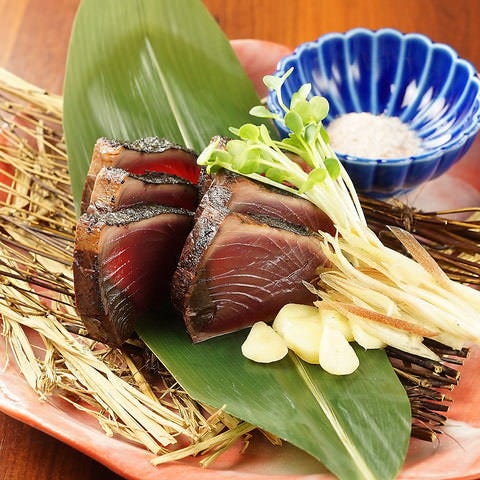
(33, 44)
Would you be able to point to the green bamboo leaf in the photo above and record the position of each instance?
(148, 68)
(358, 425)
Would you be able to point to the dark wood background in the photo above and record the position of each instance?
(33, 44)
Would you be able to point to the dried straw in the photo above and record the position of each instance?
(37, 221)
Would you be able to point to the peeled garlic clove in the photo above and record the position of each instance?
(336, 320)
(364, 339)
(297, 310)
(336, 355)
(300, 327)
(263, 344)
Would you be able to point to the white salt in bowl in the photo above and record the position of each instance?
(385, 72)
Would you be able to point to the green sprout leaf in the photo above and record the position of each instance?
(276, 174)
(275, 83)
(262, 112)
(272, 82)
(265, 135)
(324, 135)
(319, 108)
(218, 160)
(333, 167)
(292, 141)
(249, 161)
(224, 157)
(294, 122)
(311, 133)
(249, 132)
(236, 147)
(300, 95)
(303, 108)
(315, 177)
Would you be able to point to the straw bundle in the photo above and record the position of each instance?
(37, 222)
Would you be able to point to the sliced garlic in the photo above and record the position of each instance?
(263, 344)
(336, 355)
(336, 320)
(365, 339)
(300, 326)
(297, 310)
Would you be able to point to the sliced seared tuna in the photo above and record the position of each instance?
(243, 195)
(116, 188)
(151, 154)
(123, 263)
(238, 269)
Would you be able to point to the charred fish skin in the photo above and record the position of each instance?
(116, 188)
(243, 195)
(202, 234)
(88, 300)
(252, 197)
(237, 270)
(150, 154)
(123, 263)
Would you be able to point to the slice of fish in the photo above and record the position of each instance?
(244, 195)
(151, 154)
(123, 263)
(116, 188)
(238, 269)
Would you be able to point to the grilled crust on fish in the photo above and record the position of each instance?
(150, 154)
(116, 188)
(123, 262)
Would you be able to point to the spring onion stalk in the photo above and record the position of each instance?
(387, 297)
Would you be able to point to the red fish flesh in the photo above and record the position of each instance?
(151, 154)
(123, 263)
(116, 188)
(237, 269)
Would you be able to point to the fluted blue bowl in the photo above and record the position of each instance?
(425, 84)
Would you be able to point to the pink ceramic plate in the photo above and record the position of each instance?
(457, 456)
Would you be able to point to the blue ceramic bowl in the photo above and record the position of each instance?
(425, 84)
